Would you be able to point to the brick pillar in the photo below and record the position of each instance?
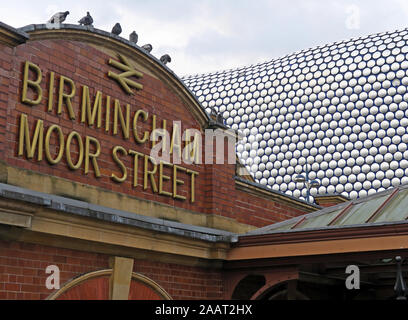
(219, 177)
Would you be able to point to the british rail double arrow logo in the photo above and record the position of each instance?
(123, 78)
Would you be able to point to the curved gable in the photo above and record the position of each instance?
(111, 44)
(82, 104)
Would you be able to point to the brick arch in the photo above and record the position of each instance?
(247, 286)
(259, 295)
(280, 290)
(96, 286)
(271, 278)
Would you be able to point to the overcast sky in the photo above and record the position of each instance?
(209, 35)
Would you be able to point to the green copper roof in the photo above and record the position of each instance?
(387, 207)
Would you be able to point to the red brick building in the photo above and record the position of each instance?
(70, 194)
(80, 191)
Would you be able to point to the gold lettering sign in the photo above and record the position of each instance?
(90, 108)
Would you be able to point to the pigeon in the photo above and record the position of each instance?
(59, 17)
(217, 116)
(165, 59)
(213, 114)
(147, 47)
(220, 118)
(86, 21)
(133, 37)
(117, 29)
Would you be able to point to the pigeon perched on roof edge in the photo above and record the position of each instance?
(148, 47)
(117, 29)
(133, 37)
(59, 17)
(87, 20)
(165, 59)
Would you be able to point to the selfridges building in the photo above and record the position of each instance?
(339, 108)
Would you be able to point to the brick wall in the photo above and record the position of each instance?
(5, 79)
(259, 211)
(22, 272)
(22, 268)
(183, 282)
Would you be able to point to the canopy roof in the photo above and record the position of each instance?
(387, 207)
